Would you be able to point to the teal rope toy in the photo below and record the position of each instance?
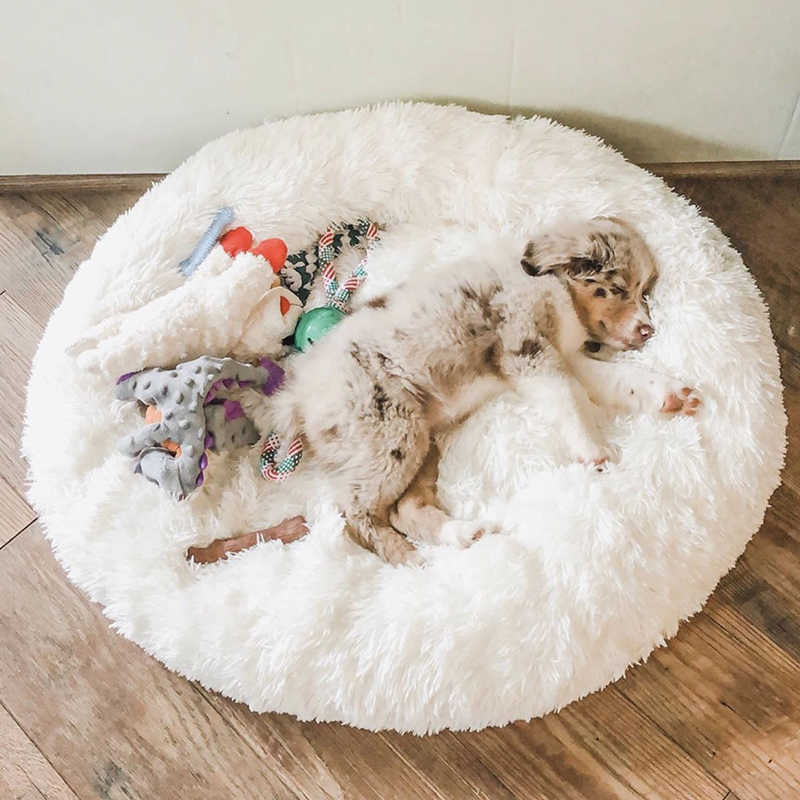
(314, 324)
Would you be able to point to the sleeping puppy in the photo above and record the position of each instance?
(368, 398)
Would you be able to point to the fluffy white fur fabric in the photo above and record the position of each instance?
(593, 570)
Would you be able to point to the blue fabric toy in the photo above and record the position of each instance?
(222, 219)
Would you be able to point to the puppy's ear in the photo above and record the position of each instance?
(548, 253)
(573, 250)
(529, 262)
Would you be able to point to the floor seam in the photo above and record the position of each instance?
(18, 533)
(38, 749)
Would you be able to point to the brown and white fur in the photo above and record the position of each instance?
(368, 398)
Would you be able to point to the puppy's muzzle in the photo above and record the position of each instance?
(640, 335)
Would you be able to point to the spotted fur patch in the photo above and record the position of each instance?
(528, 349)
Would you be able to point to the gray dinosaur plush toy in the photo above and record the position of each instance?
(189, 415)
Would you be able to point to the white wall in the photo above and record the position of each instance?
(107, 86)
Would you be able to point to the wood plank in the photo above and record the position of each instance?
(732, 703)
(15, 513)
(111, 720)
(599, 747)
(763, 590)
(56, 223)
(449, 763)
(599, 736)
(19, 336)
(334, 760)
(279, 737)
(106, 206)
(43, 238)
(34, 280)
(364, 764)
(25, 774)
(746, 600)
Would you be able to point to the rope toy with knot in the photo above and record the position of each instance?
(314, 324)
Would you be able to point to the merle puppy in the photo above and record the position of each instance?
(368, 398)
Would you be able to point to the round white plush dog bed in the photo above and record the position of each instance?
(592, 570)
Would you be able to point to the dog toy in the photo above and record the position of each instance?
(294, 272)
(302, 267)
(185, 418)
(188, 416)
(287, 531)
(222, 219)
(276, 470)
(273, 251)
(314, 324)
(240, 240)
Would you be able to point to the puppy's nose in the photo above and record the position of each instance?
(645, 332)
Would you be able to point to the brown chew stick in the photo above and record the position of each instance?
(287, 531)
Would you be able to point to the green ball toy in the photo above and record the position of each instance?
(314, 324)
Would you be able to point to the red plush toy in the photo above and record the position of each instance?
(240, 240)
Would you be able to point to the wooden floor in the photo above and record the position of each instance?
(86, 714)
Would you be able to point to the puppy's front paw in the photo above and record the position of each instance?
(599, 463)
(398, 550)
(591, 453)
(463, 532)
(685, 401)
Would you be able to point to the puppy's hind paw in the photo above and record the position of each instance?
(685, 401)
(463, 532)
(399, 551)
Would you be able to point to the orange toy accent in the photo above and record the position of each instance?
(285, 306)
(153, 415)
(236, 241)
(274, 251)
(240, 239)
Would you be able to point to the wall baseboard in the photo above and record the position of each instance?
(140, 182)
(134, 181)
(686, 170)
